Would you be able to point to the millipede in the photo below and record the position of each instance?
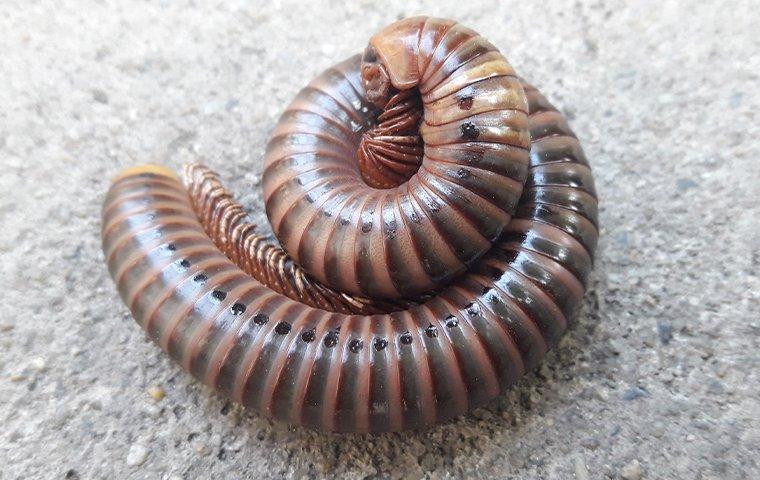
(435, 221)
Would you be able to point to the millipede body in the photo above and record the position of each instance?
(436, 219)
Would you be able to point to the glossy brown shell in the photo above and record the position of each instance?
(331, 371)
(414, 238)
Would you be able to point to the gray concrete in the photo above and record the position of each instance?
(657, 379)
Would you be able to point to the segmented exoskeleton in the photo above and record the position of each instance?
(437, 220)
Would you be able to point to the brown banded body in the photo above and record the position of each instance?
(279, 349)
(414, 237)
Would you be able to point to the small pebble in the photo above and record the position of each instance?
(151, 411)
(715, 387)
(632, 471)
(430, 461)
(213, 106)
(633, 393)
(700, 424)
(39, 363)
(736, 99)
(706, 352)
(723, 369)
(592, 443)
(683, 184)
(17, 377)
(99, 96)
(200, 448)
(594, 393)
(157, 393)
(581, 471)
(665, 332)
(658, 429)
(482, 414)
(137, 455)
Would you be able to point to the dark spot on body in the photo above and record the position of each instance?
(431, 331)
(469, 131)
(282, 328)
(344, 221)
(219, 295)
(406, 338)
(331, 339)
(366, 227)
(390, 229)
(463, 173)
(472, 309)
(326, 213)
(260, 318)
(452, 321)
(309, 335)
(465, 103)
(171, 247)
(238, 309)
(380, 344)
(200, 278)
(355, 345)
(184, 263)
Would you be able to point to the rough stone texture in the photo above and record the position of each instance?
(657, 379)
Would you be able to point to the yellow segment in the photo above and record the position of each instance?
(147, 168)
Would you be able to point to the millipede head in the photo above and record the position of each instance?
(375, 79)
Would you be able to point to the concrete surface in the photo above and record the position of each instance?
(658, 378)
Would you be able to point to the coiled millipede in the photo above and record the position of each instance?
(437, 219)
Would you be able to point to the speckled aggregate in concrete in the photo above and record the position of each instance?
(658, 379)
